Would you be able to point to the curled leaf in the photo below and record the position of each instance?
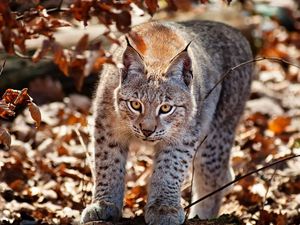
(23, 97)
(5, 138)
(35, 113)
(5, 110)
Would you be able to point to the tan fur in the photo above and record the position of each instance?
(162, 45)
(158, 70)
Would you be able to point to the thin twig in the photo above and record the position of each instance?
(87, 156)
(49, 11)
(193, 172)
(240, 178)
(2, 67)
(224, 75)
(22, 56)
(60, 4)
(267, 191)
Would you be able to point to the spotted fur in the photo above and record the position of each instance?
(161, 73)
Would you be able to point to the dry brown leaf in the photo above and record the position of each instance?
(82, 44)
(41, 52)
(22, 97)
(152, 6)
(5, 138)
(272, 218)
(123, 21)
(35, 113)
(17, 185)
(5, 110)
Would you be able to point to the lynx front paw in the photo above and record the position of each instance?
(101, 210)
(157, 214)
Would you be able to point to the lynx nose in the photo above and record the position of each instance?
(147, 133)
(147, 130)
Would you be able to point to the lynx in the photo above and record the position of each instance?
(158, 99)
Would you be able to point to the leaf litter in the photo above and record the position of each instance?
(45, 176)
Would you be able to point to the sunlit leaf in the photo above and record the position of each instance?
(279, 124)
(35, 113)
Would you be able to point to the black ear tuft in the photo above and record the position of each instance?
(181, 66)
(132, 61)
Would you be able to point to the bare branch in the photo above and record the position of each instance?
(60, 4)
(267, 191)
(49, 11)
(193, 173)
(240, 178)
(224, 75)
(2, 67)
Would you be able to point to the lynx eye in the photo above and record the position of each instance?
(135, 106)
(165, 108)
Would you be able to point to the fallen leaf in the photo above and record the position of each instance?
(152, 6)
(5, 138)
(279, 124)
(35, 113)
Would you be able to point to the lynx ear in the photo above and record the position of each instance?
(132, 61)
(181, 67)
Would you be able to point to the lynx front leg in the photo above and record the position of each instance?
(163, 206)
(109, 171)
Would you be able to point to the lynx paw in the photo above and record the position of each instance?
(101, 210)
(157, 214)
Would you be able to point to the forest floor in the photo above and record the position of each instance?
(46, 179)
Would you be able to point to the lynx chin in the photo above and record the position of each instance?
(157, 99)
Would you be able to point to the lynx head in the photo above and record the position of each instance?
(154, 96)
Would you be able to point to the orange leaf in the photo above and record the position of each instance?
(182, 5)
(10, 95)
(82, 44)
(100, 61)
(60, 59)
(23, 97)
(76, 69)
(279, 124)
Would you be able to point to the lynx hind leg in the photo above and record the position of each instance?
(212, 170)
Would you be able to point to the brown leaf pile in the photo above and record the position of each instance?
(45, 176)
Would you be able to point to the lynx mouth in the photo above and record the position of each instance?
(150, 140)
